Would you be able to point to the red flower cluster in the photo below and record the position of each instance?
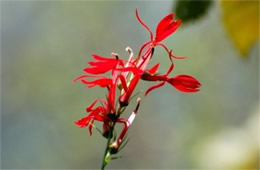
(124, 77)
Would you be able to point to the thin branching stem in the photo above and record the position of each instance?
(110, 135)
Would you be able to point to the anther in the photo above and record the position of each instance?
(114, 55)
(152, 51)
(131, 54)
(138, 104)
(128, 49)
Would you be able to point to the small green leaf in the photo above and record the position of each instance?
(108, 158)
(190, 10)
(116, 157)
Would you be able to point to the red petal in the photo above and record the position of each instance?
(176, 57)
(80, 77)
(85, 76)
(111, 97)
(102, 64)
(166, 27)
(154, 69)
(123, 82)
(141, 22)
(99, 118)
(135, 70)
(171, 28)
(103, 82)
(170, 52)
(185, 83)
(92, 105)
(97, 57)
(99, 70)
(90, 127)
(164, 23)
(125, 97)
(170, 69)
(154, 87)
(83, 122)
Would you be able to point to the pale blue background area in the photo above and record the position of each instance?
(45, 45)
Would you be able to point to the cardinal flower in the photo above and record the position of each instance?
(99, 114)
(165, 28)
(184, 83)
(121, 78)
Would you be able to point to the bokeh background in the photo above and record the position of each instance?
(46, 44)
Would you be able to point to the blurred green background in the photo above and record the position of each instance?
(45, 45)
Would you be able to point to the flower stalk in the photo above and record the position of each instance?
(124, 77)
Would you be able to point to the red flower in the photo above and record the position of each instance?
(184, 83)
(124, 77)
(99, 114)
(165, 28)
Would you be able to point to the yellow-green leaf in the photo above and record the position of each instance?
(241, 20)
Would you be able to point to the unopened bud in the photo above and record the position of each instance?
(138, 104)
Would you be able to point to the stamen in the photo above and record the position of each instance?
(152, 52)
(128, 49)
(114, 55)
(131, 55)
(142, 48)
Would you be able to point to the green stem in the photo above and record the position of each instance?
(107, 150)
(110, 135)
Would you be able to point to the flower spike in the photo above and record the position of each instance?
(120, 80)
